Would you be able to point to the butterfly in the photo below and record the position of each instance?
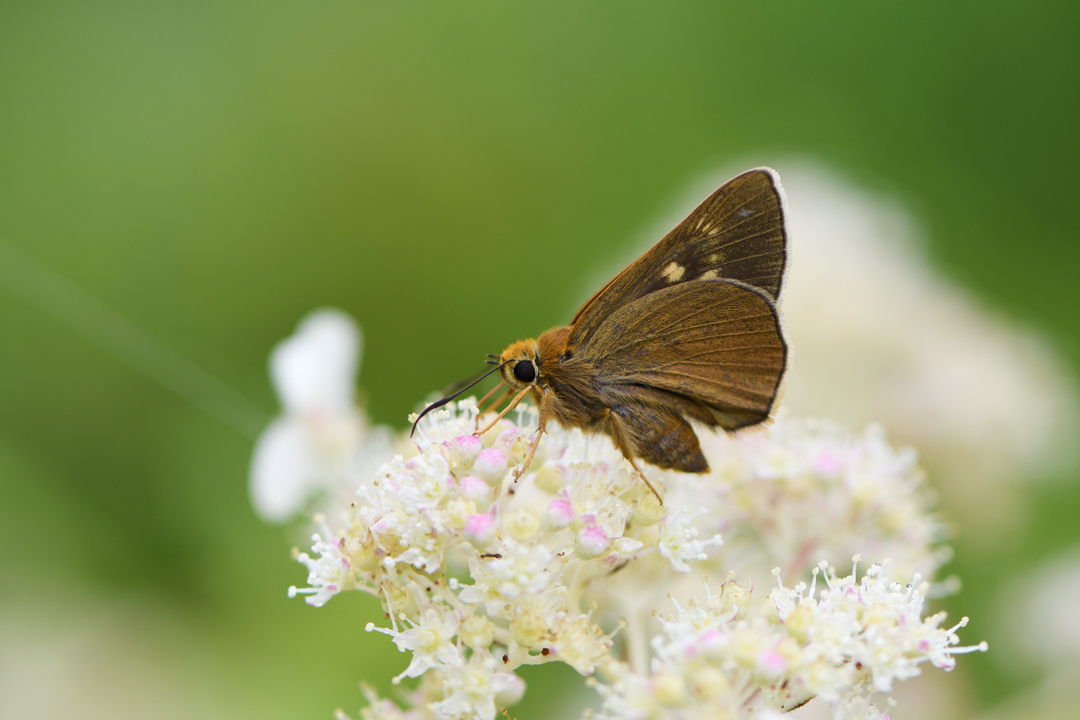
(689, 333)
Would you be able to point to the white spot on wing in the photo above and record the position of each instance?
(745, 212)
(710, 275)
(673, 272)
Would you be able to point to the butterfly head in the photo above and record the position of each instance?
(521, 364)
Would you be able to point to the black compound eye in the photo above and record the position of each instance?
(525, 371)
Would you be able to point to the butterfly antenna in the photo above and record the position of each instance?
(448, 398)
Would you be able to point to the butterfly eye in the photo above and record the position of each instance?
(525, 371)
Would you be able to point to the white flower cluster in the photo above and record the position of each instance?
(530, 547)
(808, 489)
(480, 574)
(734, 654)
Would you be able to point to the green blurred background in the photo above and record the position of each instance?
(454, 175)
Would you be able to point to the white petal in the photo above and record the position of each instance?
(315, 369)
(282, 471)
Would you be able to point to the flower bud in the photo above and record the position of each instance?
(461, 452)
(459, 510)
(490, 466)
(521, 524)
(559, 514)
(477, 632)
(400, 600)
(389, 524)
(361, 554)
(514, 442)
(492, 435)
(591, 542)
(771, 665)
(476, 490)
(480, 530)
(711, 644)
(512, 693)
(528, 627)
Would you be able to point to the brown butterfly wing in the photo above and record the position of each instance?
(715, 343)
(737, 233)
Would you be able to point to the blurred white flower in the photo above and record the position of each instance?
(1042, 613)
(310, 447)
(879, 335)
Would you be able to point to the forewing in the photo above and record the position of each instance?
(718, 343)
(737, 233)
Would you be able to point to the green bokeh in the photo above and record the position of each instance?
(454, 175)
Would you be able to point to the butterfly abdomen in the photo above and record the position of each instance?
(658, 436)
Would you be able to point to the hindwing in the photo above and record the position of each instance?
(716, 343)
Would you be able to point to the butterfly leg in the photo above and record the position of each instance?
(622, 441)
(541, 427)
(513, 404)
(480, 405)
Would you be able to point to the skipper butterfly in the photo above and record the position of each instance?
(689, 332)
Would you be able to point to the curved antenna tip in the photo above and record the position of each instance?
(448, 398)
